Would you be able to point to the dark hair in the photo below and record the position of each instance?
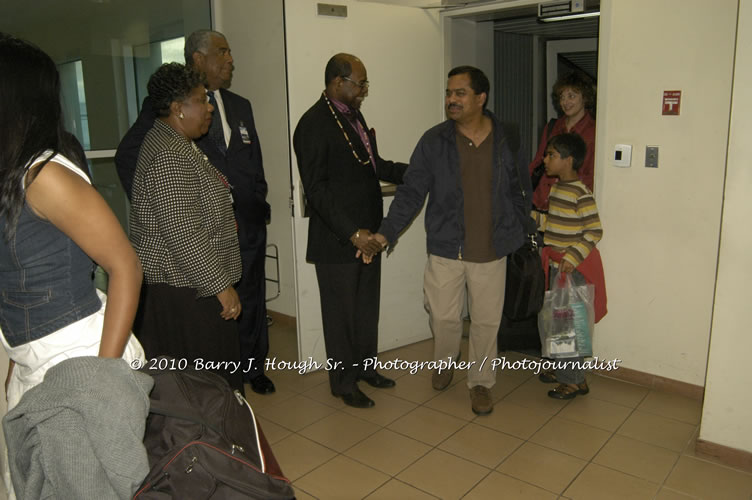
(31, 121)
(567, 145)
(338, 65)
(579, 82)
(478, 80)
(198, 41)
(171, 82)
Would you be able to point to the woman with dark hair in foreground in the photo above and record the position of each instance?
(53, 224)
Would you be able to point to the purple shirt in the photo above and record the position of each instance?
(351, 116)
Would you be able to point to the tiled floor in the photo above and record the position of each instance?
(621, 441)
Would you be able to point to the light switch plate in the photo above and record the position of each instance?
(651, 156)
(622, 156)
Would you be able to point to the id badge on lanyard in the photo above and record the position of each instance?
(244, 134)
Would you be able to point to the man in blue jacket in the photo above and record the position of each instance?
(474, 219)
(232, 146)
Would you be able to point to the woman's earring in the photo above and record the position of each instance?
(181, 116)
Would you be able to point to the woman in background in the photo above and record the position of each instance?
(183, 228)
(573, 97)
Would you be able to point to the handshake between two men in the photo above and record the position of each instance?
(368, 244)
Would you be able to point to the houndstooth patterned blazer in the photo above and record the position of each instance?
(181, 221)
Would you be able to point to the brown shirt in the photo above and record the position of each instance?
(477, 178)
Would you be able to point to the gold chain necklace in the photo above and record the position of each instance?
(347, 137)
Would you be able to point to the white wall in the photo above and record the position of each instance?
(470, 43)
(401, 49)
(727, 411)
(255, 32)
(661, 226)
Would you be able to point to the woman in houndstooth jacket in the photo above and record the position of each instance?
(183, 229)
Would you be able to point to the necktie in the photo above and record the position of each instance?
(216, 131)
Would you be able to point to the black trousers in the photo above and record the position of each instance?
(350, 295)
(252, 326)
(171, 321)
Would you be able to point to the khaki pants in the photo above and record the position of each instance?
(445, 284)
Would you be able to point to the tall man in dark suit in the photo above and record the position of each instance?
(232, 146)
(340, 168)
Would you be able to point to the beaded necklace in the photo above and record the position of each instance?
(347, 138)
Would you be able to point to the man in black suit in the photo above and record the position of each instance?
(340, 168)
(232, 146)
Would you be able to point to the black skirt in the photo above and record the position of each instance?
(173, 321)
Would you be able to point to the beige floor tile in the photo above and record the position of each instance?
(703, 479)
(302, 495)
(616, 391)
(657, 430)
(669, 494)
(580, 440)
(513, 419)
(455, 401)
(294, 381)
(596, 412)
(272, 431)
(342, 479)
(672, 406)
(298, 456)
(413, 388)
(262, 401)
(388, 451)
(387, 410)
(534, 394)
(323, 394)
(500, 486)
(296, 412)
(544, 467)
(600, 483)
(637, 458)
(427, 425)
(505, 384)
(423, 350)
(481, 445)
(339, 431)
(443, 475)
(398, 490)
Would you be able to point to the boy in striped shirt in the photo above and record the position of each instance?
(571, 230)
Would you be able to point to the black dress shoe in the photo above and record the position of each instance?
(262, 385)
(377, 380)
(357, 399)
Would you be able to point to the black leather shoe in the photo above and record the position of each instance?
(357, 399)
(262, 385)
(379, 381)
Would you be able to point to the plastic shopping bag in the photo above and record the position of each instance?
(565, 322)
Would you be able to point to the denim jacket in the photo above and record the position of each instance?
(45, 280)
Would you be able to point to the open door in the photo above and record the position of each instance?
(400, 47)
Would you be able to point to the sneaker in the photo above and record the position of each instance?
(441, 381)
(480, 397)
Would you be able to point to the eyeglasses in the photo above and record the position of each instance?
(364, 84)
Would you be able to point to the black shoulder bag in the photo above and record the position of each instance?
(526, 283)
